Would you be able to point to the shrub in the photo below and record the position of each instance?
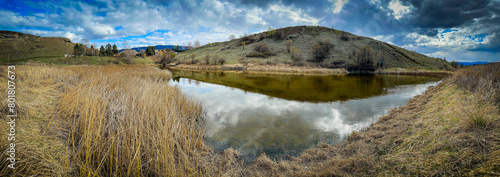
(271, 33)
(296, 54)
(262, 48)
(243, 61)
(167, 58)
(363, 60)
(280, 35)
(247, 39)
(192, 58)
(261, 51)
(207, 58)
(321, 50)
(215, 59)
(454, 64)
(344, 36)
(222, 61)
(261, 37)
(257, 55)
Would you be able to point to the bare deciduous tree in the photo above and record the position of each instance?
(125, 45)
(86, 42)
(197, 43)
(207, 58)
(126, 53)
(142, 52)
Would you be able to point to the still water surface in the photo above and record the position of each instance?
(283, 115)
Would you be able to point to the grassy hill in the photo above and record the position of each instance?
(16, 47)
(342, 50)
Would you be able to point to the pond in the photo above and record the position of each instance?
(282, 115)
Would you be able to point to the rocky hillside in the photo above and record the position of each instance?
(15, 47)
(313, 46)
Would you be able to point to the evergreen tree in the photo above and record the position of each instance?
(115, 49)
(109, 50)
(78, 49)
(102, 51)
(150, 50)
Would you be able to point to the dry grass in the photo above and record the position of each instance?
(37, 148)
(274, 69)
(129, 122)
(482, 79)
(414, 71)
(105, 121)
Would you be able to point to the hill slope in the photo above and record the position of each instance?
(16, 46)
(340, 55)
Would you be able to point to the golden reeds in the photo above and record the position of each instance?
(128, 121)
(110, 120)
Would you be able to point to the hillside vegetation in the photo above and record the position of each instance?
(311, 46)
(16, 47)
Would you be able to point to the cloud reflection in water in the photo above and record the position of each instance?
(256, 123)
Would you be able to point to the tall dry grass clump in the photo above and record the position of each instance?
(484, 84)
(126, 121)
(482, 79)
(37, 150)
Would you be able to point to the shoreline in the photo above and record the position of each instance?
(439, 127)
(302, 70)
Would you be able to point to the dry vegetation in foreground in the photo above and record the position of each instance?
(126, 121)
(104, 121)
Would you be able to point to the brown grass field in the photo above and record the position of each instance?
(127, 121)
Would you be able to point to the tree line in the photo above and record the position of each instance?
(83, 50)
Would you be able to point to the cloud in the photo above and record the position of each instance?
(398, 9)
(447, 13)
(401, 22)
(338, 4)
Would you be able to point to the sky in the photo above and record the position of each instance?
(460, 30)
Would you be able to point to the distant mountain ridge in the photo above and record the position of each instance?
(473, 63)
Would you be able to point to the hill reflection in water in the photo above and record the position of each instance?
(279, 124)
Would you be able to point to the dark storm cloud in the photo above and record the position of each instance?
(365, 18)
(447, 13)
(475, 17)
(320, 4)
(428, 32)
